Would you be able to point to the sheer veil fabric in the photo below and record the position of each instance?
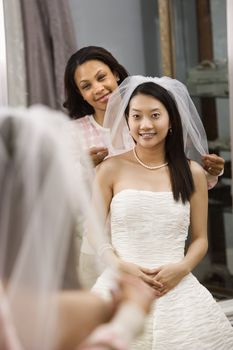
(195, 141)
(42, 193)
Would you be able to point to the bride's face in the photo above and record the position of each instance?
(148, 121)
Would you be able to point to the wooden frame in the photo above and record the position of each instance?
(166, 38)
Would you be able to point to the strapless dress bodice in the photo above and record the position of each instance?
(149, 228)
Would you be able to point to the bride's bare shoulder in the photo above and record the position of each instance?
(198, 173)
(112, 163)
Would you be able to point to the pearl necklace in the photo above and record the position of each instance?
(147, 166)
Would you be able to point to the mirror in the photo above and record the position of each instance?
(190, 40)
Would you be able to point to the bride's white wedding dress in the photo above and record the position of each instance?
(149, 229)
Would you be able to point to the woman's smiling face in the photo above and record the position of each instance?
(95, 81)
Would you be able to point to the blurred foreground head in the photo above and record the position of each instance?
(41, 197)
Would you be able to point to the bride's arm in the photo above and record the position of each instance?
(97, 224)
(198, 220)
(170, 275)
(79, 313)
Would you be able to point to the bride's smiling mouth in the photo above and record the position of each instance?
(147, 135)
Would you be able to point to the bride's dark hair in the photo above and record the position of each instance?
(180, 173)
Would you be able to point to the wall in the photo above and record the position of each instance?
(115, 25)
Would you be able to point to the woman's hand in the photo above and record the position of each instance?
(134, 290)
(213, 164)
(168, 275)
(135, 270)
(98, 154)
(136, 300)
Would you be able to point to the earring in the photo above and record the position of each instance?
(170, 131)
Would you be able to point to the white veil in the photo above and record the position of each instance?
(195, 141)
(41, 195)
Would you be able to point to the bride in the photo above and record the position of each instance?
(155, 194)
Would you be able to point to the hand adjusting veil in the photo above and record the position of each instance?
(42, 194)
(195, 141)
